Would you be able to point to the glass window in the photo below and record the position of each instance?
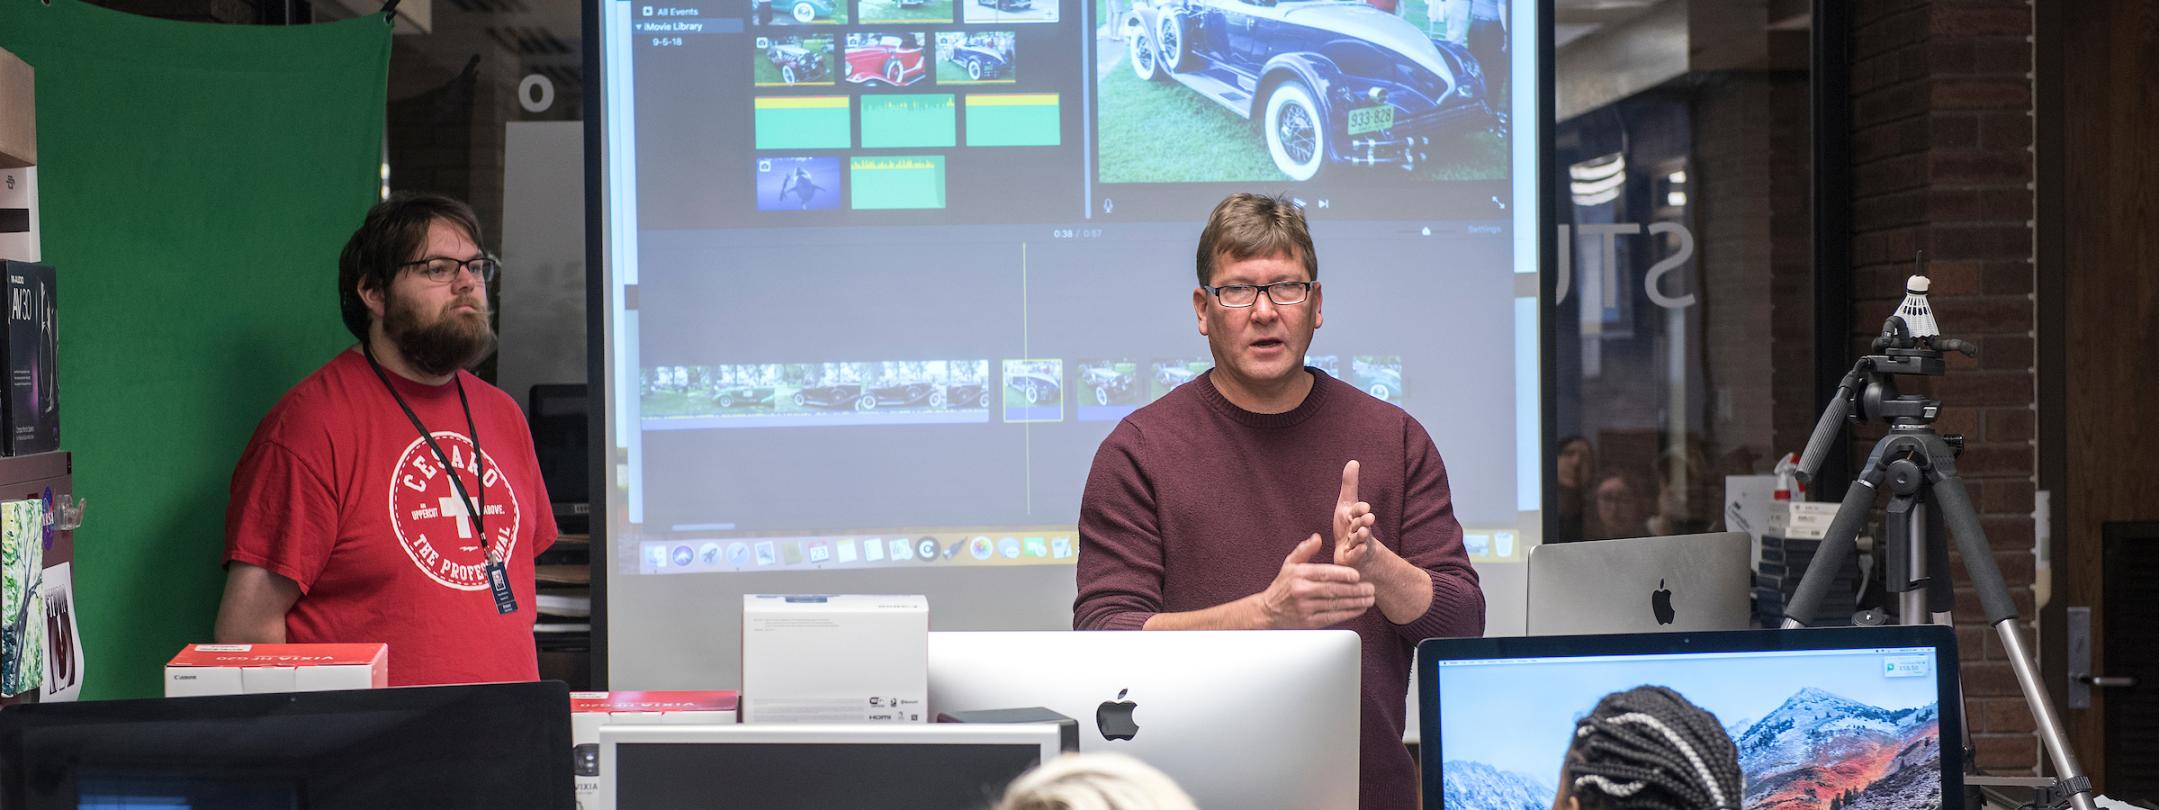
(1682, 315)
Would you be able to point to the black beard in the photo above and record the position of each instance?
(454, 341)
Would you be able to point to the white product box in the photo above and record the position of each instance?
(1802, 520)
(18, 214)
(233, 669)
(591, 710)
(835, 659)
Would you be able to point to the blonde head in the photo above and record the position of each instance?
(1095, 782)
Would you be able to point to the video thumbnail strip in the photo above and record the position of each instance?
(1033, 545)
(898, 392)
(814, 394)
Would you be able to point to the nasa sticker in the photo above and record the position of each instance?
(431, 522)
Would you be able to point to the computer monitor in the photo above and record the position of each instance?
(482, 746)
(1641, 585)
(774, 766)
(1867, 718)
(561, 443)
(1237, 718)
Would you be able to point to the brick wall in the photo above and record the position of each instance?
(1942, 130)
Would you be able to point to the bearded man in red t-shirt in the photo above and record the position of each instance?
(391, 496)
(1265, 494)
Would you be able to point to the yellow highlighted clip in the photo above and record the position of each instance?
(802, 103)
(1013, 100)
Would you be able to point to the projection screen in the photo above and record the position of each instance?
(873, 278)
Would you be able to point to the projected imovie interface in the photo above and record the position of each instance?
(886, 272)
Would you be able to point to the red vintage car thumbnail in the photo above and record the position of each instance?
(890, 59)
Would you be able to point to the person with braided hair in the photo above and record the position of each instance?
(1648, 748)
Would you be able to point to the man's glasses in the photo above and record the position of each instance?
(443, 269)
(1282, 293)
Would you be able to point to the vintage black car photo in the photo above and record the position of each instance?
(1108, 385)
(1325, 83)
(798, 63)
(834, 397)
(743, 396)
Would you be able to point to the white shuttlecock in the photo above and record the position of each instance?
(1918, 315)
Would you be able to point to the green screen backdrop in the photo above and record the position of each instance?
(196, 182)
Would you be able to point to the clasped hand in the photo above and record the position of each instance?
(1306, 595)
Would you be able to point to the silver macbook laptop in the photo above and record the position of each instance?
(1641, 585)
(1237, 718)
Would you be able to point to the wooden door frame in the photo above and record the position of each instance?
(2090, 253)
(2051, 355)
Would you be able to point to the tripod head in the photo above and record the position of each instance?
(1910, 345)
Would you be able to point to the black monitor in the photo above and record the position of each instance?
(480, 746)
(557, 413)
(780, 766)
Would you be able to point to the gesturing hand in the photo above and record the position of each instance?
(1353, 519)
(1308, 595)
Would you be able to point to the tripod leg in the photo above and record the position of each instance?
(1835, 549)
(1956, 508)
(1941, 587)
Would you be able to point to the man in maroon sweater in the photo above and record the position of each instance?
(1267, 495)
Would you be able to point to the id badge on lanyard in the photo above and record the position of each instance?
(498, 583)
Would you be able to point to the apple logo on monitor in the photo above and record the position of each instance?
(1114, 718)
(1660, 603)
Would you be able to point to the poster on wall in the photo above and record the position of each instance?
(63, 645)
(22, 611)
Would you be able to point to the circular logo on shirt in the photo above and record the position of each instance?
(432, 523)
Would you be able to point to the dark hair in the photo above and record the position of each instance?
(1246, 225)
(393, 233)
(1648, 748)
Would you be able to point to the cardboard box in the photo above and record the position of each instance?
(835, 659)
(234, 669)
(33, 355)
(591, 710)
(18, 113)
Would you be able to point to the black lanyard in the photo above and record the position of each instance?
(477, 514)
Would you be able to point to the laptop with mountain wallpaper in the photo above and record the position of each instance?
(1824, 719)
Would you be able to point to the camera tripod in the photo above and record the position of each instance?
(1918, 466)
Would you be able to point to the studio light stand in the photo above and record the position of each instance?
(1918, 466)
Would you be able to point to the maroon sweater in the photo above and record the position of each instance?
(1194, 502)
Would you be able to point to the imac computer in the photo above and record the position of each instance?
(1237, 718)
(1642, 585)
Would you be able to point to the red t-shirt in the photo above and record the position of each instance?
(338, 493)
